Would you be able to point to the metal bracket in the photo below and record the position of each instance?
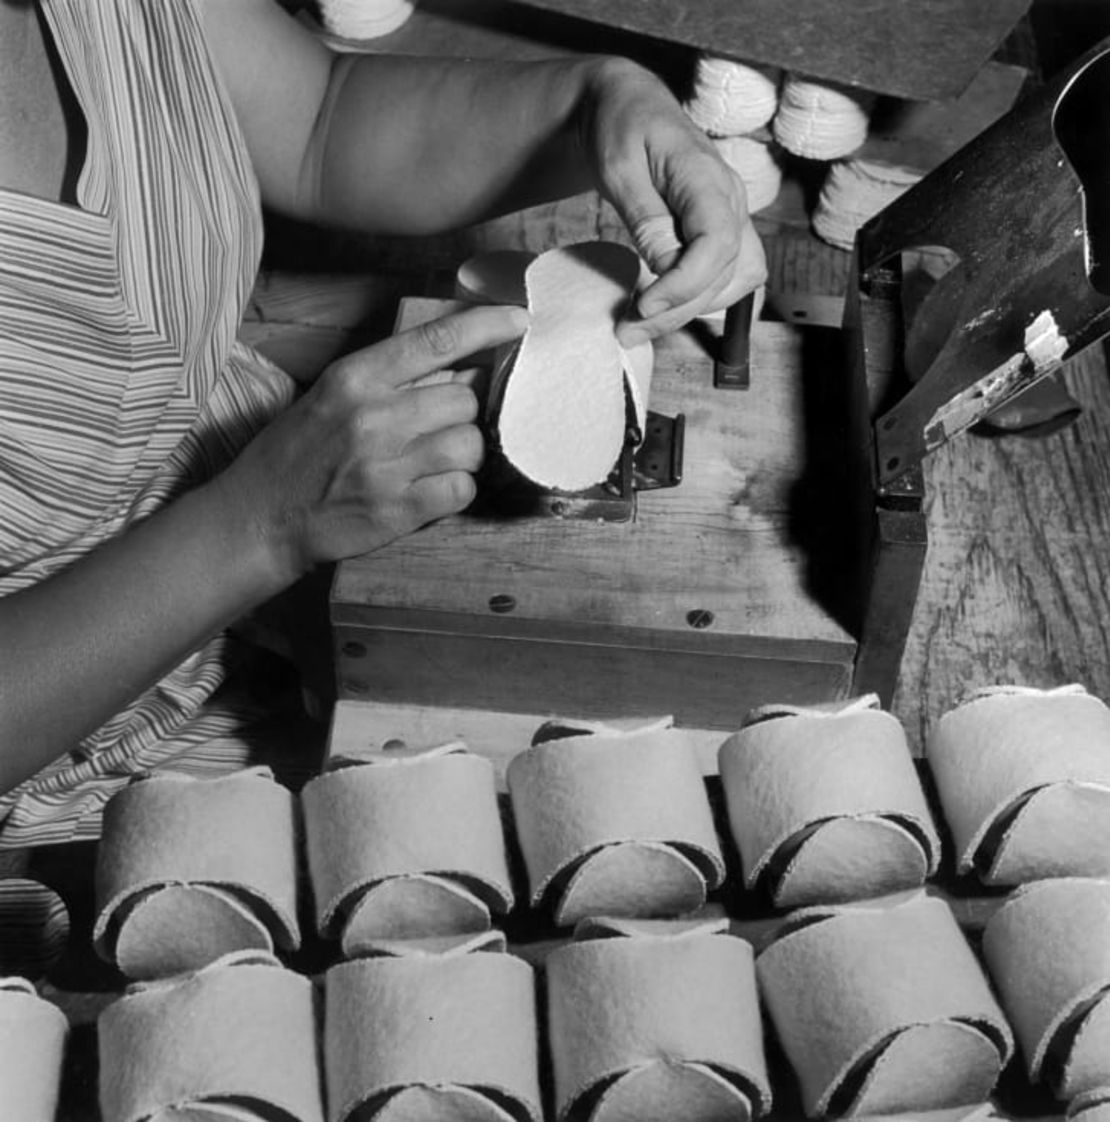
(658, 461)
(654, 465)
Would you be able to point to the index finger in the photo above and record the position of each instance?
(438, 343)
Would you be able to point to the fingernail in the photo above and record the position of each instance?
(651, 307)
(520, 319)
(631, 335)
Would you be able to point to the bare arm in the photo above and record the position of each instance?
(361, 459)
(414, 145)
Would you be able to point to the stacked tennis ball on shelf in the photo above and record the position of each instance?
(756, 113)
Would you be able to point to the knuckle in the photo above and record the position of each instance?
(438, 337)
(343, 380)
(460, 490)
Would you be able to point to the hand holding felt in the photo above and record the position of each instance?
(365, 456)
(685, 208)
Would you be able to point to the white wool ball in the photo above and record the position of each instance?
(731, 98)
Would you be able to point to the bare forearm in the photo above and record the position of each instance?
(81, 646)
(454, 141)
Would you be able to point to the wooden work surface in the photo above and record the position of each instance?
(1016, 585)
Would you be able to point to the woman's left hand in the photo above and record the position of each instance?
(684, 206)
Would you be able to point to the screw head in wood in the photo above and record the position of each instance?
(699, 618)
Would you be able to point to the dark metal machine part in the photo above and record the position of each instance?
(1024, 208)
(923, 50)
(650, 465)
(1021, 211)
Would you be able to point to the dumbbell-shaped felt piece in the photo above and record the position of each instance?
(825, 804)
(432, 1037)
(615, 823)
(408, 846)
(1024, 779)
(191, 869)
(883, 1008)
(32, 1042)
(498, 277)
(236, 1039)
(1048, 951)
(654, 1020)
(558, 397)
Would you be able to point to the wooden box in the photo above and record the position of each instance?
(743, 585)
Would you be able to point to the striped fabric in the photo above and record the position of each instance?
(34, 927)
(122, 382)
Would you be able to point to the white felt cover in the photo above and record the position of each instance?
(1024, 779)
(1048, 951)
(234, 835)
(560, 401)
(1091, 1106)
(832, 798)
(574, 797)
(32, 1043)
(883, 1008)
(238, 1036)
(408, 845)
(667, 1017)
(497, 277)
(454, 1022)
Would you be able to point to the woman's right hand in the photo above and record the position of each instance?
(364, 456)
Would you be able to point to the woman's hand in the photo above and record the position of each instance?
(364, 456)
(684, 206)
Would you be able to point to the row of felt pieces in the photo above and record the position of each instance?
(881, 1009)
(825, 806)
(406, 861)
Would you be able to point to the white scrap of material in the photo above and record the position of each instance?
(821, 120)
(561, 421)
(731, 98)
(855, 191)
(364, 19)
(755, 163)
(1044, 344)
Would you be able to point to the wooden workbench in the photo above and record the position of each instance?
(1016, 585)
(1017, 578)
